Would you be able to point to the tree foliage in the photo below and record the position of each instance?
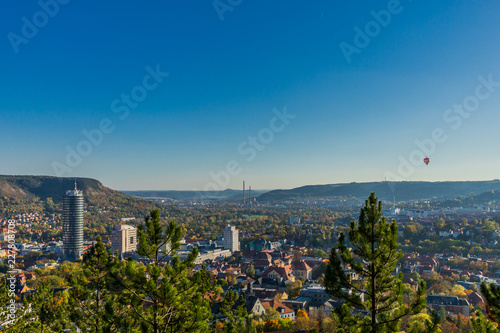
(480, 324)
(373, 258)
(165, 295)
(423, 322)
(234, 312)
(491, 295)
(43, 312)
(93, 303)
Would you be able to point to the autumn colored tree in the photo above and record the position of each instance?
(250, 271)
(302, 320)
(272, 325)
(43, 312)
(294, 288)
(423, 322)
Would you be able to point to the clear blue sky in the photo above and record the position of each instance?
(354, 120)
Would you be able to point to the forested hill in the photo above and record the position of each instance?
(485, 198)
(35, 193)
(224, 195)
(43, 187)
(386, 190)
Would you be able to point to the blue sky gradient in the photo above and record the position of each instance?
(354, 120)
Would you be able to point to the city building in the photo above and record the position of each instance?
(73, 224)
(231, 241)
(279, 273)
(451, 304)
(216, 254)
(302, 270)
(283, 310)
(294, 221)
(123, 239)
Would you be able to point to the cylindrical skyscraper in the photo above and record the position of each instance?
(73, 225)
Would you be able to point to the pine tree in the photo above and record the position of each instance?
(165, 295)
(93, 304)
(491, 295)
(373, 258)
(433, 326)
(479, 324)
(234, 312)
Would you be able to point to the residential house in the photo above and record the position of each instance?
(299, 303)
(283, 310)
(302, 270)
(475, 299)
(323, 307)
(279, 273)
(252, 302)
(262, 260)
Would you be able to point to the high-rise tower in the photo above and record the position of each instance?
(244, 199)
(231, 240)
(73, 224)
(124, 239)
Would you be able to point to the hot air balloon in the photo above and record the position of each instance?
(427, 160)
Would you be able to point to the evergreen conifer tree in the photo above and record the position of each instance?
(165, 295)
(491, 295)
(479, 324)
(234, 313)
(93, 304)
(373, 259)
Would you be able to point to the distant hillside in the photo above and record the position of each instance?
(32, 189)
(226, 195)
(485, 198)
(43, 187)
(403, 191)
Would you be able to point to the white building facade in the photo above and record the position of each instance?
(231, 240)
(123, 239)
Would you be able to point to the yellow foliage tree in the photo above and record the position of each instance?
(417, 323)
(458, 291)
(302, 314)
(272, 325)
(219, 326)
(302, 321)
